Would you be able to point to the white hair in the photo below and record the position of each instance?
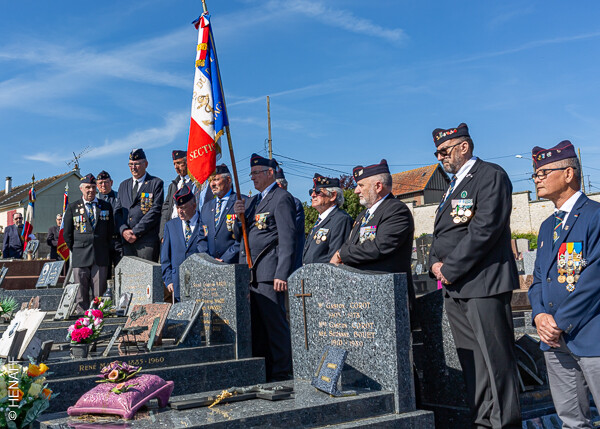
(339, 198)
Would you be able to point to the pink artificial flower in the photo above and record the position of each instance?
(71, 328)
(86, 322)
(97, 322)
(79, 335)
(88, 312)
(97, 313)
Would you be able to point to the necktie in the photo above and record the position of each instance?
(134, 190)
(188, 232)
(315, 225)
(366, 219)
(181, 183)
(448, 192)
(559, 216)
(258, 198)
(218, 211)
(90, 208)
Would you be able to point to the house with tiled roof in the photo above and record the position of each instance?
(423, 185)
(49, 199)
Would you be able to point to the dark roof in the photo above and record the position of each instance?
(21, 192)
(411, 181)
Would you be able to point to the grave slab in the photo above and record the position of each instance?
(50, 274)
(365, 314)
(224, 290)
(141, 278)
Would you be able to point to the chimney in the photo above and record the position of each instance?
(8, 184)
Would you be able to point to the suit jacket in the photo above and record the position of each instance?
(89, 246)
(577, 313)
(12, 247)
(300, 235)
(477, 256)
(144, 223)
(52, 240)
(219, 241)
(335, 227)
(278, 211)
(174, 251)
(167, 207)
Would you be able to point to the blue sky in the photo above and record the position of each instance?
(351, 82)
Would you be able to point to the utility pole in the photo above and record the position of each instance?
(581, 172)
(269, 121)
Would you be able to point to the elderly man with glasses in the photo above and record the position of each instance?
(12, 246)
(333, 224)
(565, 294)
(472, 258)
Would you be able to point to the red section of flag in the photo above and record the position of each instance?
(202, 153)
(62, 249)
(28, 227)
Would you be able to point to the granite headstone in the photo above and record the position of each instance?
(529, 261)
(31, 248)
(141, 278)
(522, 245)
(180, 315)
(224, 290)
(423, 245)
(50, 274)
(363, 313)
(67, 302)
(144, 316)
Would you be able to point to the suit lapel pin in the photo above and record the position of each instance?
(542, 244)
(463, 194)
(566, 227)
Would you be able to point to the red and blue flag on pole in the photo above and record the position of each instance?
(28, 227)
(61, 248)
(209, 117)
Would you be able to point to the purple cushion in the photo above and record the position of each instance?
(100, 400)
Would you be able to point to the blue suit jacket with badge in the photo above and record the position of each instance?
(174, 250)
(577, 313)
(327, 238)
(219, 240)
(142, 214)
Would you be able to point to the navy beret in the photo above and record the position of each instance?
(183, 195)
(325, 182)
(361, 172)
(440, 135)
(178, 154)
(222, 169)
(137, 154)
(88, 178)
(561, 151)
(103, 175)
(265, 162)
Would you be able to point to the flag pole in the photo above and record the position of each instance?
(232, 156)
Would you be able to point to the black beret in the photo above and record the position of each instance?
(325, 182)
(183, 195)
(88, 178)
(222, 169)
(279, 174)
(103, 175)
(265, 162)
(561, 151)
(137, 154)
(178, 154)
(440, 135)
(361, 172)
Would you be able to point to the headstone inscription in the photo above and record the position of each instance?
(180, 316)
(365, 314)
(50, 274)
(67, 302)
(143, 316)
(141, 278)
(223, 288)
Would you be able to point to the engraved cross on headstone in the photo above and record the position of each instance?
(304, 296)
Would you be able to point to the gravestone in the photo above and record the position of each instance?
(50, 274)
(144, 316)
(423, 245)
(224, 290)
(365, 314)
(31, 248)
(529, 262)
(29, 319)
(123, 305)
(522, 245)
(180, 315)
(141, 278)
(67, 302)
(3, 272)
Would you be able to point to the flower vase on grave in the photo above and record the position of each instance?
(80, 350)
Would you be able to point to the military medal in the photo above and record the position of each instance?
(562, 279)
(461, 210)
(261, 220)
(570, 264)
(321, 235)
(367, 233)
(229, 222)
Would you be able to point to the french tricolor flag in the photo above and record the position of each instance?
(28, 227)
(209, 117)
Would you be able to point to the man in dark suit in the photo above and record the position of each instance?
(472, 258)
(52, 239)
(169, 210)
(13, 239)
(181, 239)
(333, 224)
(217, 218)
(105, 192)
(565, 294)
(139, 202)
(88, 229)
(272, 240)
(300, 235)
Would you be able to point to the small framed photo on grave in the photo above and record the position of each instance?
(67, 302)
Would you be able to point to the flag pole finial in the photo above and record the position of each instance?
(33, 178)
(204, 6)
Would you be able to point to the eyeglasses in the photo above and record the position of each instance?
(316, 191)
(257, 172)
(19, 218)
(446, 151)
(541, 175)
(136, 164)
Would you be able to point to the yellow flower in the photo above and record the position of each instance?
(34, 390)
(43, 368)
(33, 370)
(40, 380)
